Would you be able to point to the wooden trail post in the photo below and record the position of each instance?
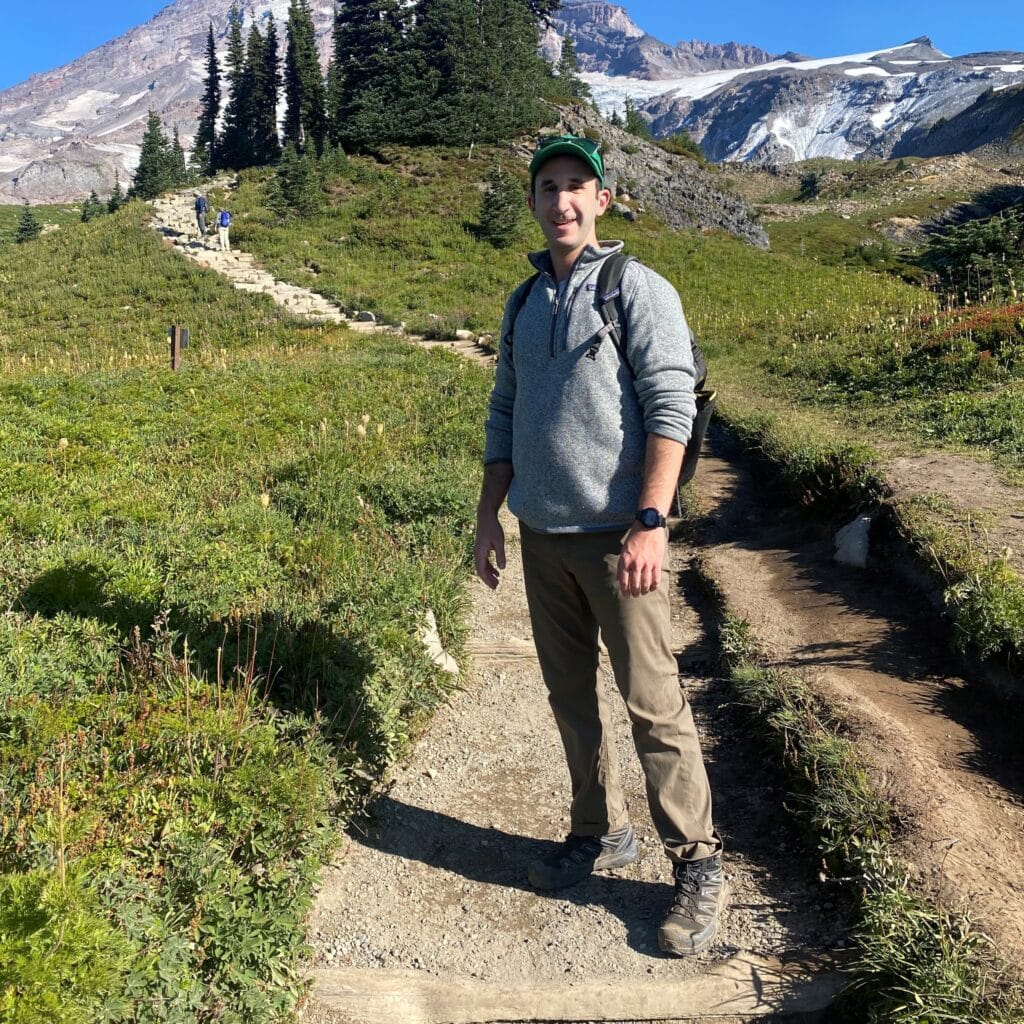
(179, 341)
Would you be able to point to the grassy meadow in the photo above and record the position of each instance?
(214, 582)
(214, 579)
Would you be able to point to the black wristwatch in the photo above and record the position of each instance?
(649, 518)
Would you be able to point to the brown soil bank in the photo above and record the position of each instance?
(947, 751)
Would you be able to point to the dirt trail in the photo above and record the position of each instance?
(174, 218)
(436, 884)
(949, 750)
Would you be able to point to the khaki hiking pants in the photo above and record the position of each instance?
(572, 591)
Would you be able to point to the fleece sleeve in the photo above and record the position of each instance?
(660, 351)
(498, 428)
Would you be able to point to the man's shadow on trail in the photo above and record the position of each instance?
(493, 856)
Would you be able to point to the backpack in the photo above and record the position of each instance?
(609, 297)
(225, 219)
(200, 204)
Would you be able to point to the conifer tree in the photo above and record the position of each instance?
(267, 142)
(501, 211)
(368, 73)
(569, 82)
(634, 123)
(481, 74)
(234, 142)
(305, 119)
(296, 186)
(204, 148)
(615, 119)
(116, 200)
(28, 225)
(92, 207)
(177, 171)
(153, 175)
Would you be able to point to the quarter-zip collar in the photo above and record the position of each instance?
(586, 260)
(561, 305)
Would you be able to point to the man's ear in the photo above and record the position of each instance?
(530, 201)
(604, 199)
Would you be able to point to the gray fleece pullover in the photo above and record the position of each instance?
(575, 428)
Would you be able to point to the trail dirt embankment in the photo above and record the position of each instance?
(947, 751)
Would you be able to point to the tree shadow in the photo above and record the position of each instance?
(300, 666)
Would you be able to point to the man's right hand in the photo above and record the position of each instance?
(489, 537)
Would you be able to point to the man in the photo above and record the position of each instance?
(589, 458)
(201, 207)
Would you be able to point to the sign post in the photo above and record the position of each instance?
(179, 342)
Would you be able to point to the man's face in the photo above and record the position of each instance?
(566, 201)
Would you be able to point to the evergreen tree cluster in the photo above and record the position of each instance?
(436, 71)
(980, 258)
(161, 162)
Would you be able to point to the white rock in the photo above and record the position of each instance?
(852, 542)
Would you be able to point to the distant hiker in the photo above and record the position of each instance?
(201, 209)
(586, 441)
(223, 223)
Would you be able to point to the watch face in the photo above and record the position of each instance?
(649, 517)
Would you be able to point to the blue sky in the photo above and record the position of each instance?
(42, 34)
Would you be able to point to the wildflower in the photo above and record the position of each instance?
(62, 443)
(360, 502)
(380, 429)
(360, 430)
(365, 418)
(265, 500)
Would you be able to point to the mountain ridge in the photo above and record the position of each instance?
(67, 131)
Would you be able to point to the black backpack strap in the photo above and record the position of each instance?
(519, 297)
(609, 304)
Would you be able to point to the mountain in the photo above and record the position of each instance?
(609, 43)
(876, 104)
(65, 132)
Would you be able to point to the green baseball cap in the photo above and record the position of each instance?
(568, 145)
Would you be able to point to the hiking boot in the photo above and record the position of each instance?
(692, 920)
(580, 856)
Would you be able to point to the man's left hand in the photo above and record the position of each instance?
(643, 551)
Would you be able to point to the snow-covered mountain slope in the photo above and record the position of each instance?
(66, 131)
(846, 107)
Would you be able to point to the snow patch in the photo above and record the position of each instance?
(83, 107)
(129, 154)
(611, 91)
(134, 99)
(1007, 68)
(13, 163)
(881, 116)
(859, 72)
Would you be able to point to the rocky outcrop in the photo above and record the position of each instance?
(993, 123)
(607, 41)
